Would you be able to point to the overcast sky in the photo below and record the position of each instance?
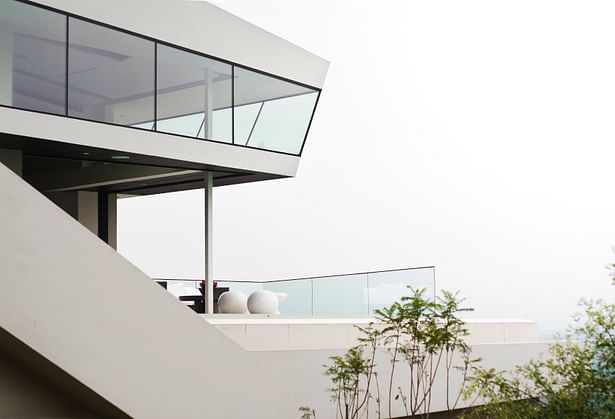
(476, 136)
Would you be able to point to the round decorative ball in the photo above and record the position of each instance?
(263, 302)
(233, 302)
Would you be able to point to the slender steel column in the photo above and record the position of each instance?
(209, 251)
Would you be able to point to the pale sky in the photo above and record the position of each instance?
(476, 136)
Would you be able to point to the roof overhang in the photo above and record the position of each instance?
(43, 135)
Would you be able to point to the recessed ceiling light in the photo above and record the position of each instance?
(120, 157)
(86, 154)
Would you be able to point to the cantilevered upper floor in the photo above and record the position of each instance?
(173, 88)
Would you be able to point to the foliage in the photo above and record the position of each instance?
(576, 380)
(346, 373)
(611, 267)
(424, 334)
(307, 413)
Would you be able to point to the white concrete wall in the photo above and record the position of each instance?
(26, 393)
(206, 28)
(74, 300)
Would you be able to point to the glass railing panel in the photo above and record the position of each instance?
(355, 295)
(110, 75)
(189, 84)
(341, 296)
(388, 287)
(279, 112)
(298, 301)
(32, 58)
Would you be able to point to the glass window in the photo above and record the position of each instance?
(194, 95)
(270, 113)
(110, 75)
(123, 79)
(32, 58)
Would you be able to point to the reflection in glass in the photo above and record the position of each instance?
(270, 113)
(32, 58)
(110, 75)
(194, 95)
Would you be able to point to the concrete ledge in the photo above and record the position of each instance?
(259, 333)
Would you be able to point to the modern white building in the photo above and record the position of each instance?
(98, 104)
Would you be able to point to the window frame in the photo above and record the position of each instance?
(157, 42)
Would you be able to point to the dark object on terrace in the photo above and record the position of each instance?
(197, 303)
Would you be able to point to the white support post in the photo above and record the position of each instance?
(209, 254)
(208, 107)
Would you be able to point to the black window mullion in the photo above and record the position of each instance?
(232, 104)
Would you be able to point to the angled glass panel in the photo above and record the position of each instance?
(194, 95)
(32, 58)
(271, 114)
(110, 75)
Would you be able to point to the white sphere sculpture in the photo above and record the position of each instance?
(233, 302)
(263, 302)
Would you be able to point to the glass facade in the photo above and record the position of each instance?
(125, 79)
(32, 58)
(190, 88)
(110, 75)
